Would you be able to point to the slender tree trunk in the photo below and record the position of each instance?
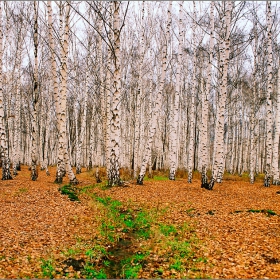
(253, 125)
(54, 88)
(174, 122)
(6, 173)
(153, 124)
(62, 121)
(34, 132)
(205, 105)
(192, 105)
(114, 172)
(139, 94)
(268, 174)
(217, 172)
(83, 129)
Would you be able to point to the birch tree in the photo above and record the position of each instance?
(205, 103)
(275, 149)
(175, 122)
(62, 98)
(114, 172)
(6, 173)
(253, 135)
(268, 175)
(54, 85)
(35, 96)
(158, 103)
(218, 157)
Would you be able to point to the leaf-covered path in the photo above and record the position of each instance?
(235, 222)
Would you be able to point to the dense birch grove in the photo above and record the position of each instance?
(141, 86)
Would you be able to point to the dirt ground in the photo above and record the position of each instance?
(236, 222)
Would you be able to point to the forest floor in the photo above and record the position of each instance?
(163, 229)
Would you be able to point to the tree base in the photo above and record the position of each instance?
(97, 176)
(172, 176)
(208, 186)
(74, 181)
(140, 180)
(7, 176)
(15, 172)
(266, 179)
(58, 180)
(276, 182)
(34, 176)
(89, 165)
(6, 173)
(190, 177)
(18, 168)
(78, 168)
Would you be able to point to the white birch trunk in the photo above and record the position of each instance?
(35, 96)
(158, 103)
(138, 102)
(83, 129)
(54, 87)
(253, 124)
(269, 100)
(275, 168)
(192, 105)
(4, 153)
(63, 145)
(175, 121)
(217, 172)
(114, 172)
(205, 104)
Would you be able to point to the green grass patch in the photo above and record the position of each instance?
(90, 272)
(70, 191)
(132, 265)
(128, 239)
(167, 229)
(268, 212)
(48, 269)
(121, 219)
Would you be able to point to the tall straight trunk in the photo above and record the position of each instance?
(218, 157)
(63, 143)
(174, 123)
(54, 87)
(115, 137)
(83, 128)
(269, 100)
(158, 103)
(241, 131)
(275, 160)
(253, 123)
(6, 173)
(139, 94)
(102, 93)
(35, 96)
(47, 147)
(192, 105)
(275, 152)
(16, 142)
(205, 104)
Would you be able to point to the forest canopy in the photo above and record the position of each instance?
(140, 85)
